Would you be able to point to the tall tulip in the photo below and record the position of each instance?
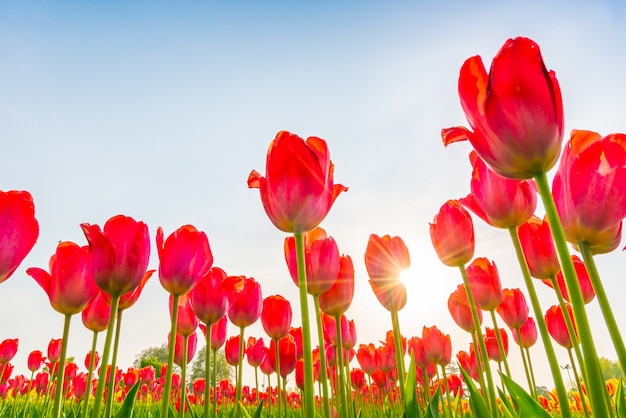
(297, 194)
(556, 325)
(18, 230)
(276, 316)
(484, 280)
(583, 280)
(70, 286)
(452, 234)
(8, 349)
(120, 253)
(256, 352)
(513, 309)
(538, 246)
(459, 308)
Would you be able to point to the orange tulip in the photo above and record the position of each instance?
(459, 308)
(484, 281)
(538, 246)
(452, 234)
(338, 298)
(299, 189)
(276, 316)
(557, 327)
(513, 309)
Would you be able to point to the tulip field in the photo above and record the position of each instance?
(320, 369)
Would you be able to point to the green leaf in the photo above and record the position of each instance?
(476, 400)
(126, 411)
(410, 400)
(433, 407)
(527, 406)
(620, 402)
(507, 407)
(259, 409)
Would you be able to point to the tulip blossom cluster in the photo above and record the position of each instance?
(515, 117)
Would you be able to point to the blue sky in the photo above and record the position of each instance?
(160, 111)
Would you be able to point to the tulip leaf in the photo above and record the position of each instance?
(527, 406)
(507, 407)
(126, 411)
(433, 407)
(476, 400)
(620, 402)
(410, 400)
(257, 413)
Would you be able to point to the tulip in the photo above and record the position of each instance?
(386, 257)
(218, 333)
(515, 111)
(513, 309)
(338, 298)
(583, 280)
(589, 190)
(437, 345)
(556, 325)
(321, 256)
(70, 285)
(18, 230)
(286, 355)
(8, 349)
(231, 350)
(255, 351)
(209, 298)
(452, 234)
(491, 341)
(299, 188)
(182, 357)
(35, 360)
(276, 316)
(54, 350)
(538, 246)
(484, 280)
(459, 308)
(366, 356)
(499, 201)
(96, 314)
(469, 363)
(245, 301)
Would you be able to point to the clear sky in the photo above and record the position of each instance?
(160, 110)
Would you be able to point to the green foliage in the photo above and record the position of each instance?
(410, 398)
(526, 405)
(153, 356)
(610, 369)
(223, 370)
(476, 400)
(126, 411)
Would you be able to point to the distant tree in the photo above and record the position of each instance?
(223, 370)
(610, 369)
(153, 356)
(542, 390)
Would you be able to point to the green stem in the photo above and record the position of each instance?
(445, 386)
(529, 380)
(109, 399)
(595, 385)
(569, 325)
(256, 383)
(309, 404)
(239, 371)
(530, 368)
(214, 383)
(578, 385)
(500, 343)
(481, 349)
(561, 392)
(323, 380)
(277, 356)
(183, 379)
(341, 380)
(115, 300)
(165, 402)
(397, 340)
(349, 385)
(59, 392)
(480, 364)
(92, 362)
(425, 387)
(207, 368)
(603, 301)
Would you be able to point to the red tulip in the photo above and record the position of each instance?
(589, 189)
(187, 322)
(35, 360)
(484, 281)
(96, 359)
(286, 353)
(385, 358)
(218, 333)
(276, 316)
(266, 366)
(209, 298)
(513, 310)
(557, 327)
(415, 346)
(192, 343)
(385, 258)
(70, 285)
(6, 369)
(336, 300)
(231, 350)
(583, 280)
(366, 356)
(468, 362)
(452, 234)
(437, 346)
(184, 259)
(79, 386)
(245, 301)
(255, 351)
(54, 350)
(499, 201)
(491, 342)
(120, 253)
(299, 188)
(538, 246)
(296, 333)
(349, 336)
(321, 256)
(300, 374)
(95, 316)
(129, 299)
(18, 230)
(8, 349)
(528, 333)
(460, 309)
(516, 111)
